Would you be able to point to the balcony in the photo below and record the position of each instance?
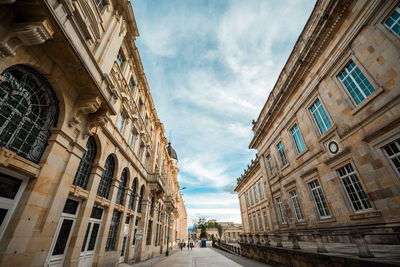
(157, 185)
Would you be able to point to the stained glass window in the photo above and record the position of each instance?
(106, 178)
(28, 111)
(85, 166)
(121, 187)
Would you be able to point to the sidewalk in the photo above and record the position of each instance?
(198, 257)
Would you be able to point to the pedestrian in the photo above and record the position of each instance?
(181, 245)
(191, 245)
(188, 245)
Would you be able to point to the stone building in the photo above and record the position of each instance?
(328, 136)
(230, 231)
(87, 177)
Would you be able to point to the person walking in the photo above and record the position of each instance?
(191, 245)
(181, 245)
(188, 244)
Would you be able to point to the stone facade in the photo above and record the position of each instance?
(328, 137)
(230, 231)
(87, 175)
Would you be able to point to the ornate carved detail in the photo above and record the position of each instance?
(84, 106)
(6, 156)
(99, 118)
(24, 34)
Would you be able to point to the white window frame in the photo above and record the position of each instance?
(260, 190)
(121, 122)
(255, 193)
(296, 205)
(265, 215)
(279, 204)
(396, 9)
(315, 200)
(251, 197)
(313, 118)
(297, 145)
(396, 155)
(270, 165)
(350, 175)
(132, 142)
(282, 155)
(11, 204)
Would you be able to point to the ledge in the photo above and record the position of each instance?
(365, 215)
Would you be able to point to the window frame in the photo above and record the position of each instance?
(395, 9)
(121, 62)
(347, 175)
(280, 155)
(397, 171)
(315, 201)
(322, 105)
(260, 190)
(300, 137)
(121, 128)
(270, 165)
(279, 205)
(296, 205)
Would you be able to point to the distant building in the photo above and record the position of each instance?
(230, 231)
(328, 137)
(87, 177)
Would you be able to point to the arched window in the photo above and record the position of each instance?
(139, 208)
(133, 194)
(121, 187)
(28, 111)
(106, 178)
(85, 166)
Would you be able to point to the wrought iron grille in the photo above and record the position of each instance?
(105, 181)
(139, 208)
(121, 187)
(112, 234)
(85, 166)
(133, 195)
(28, 111)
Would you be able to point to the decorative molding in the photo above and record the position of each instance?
(85, 105)
(100, 118)
(6, 156)
(24, 34)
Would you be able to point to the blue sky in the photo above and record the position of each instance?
(210, 67)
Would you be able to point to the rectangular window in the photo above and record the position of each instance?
(100, 5)
(146, 120)
(120, 59)
(261, 191)
(392, 151)
(251, 197)
(354, 190)
(247, 199)
(255, 193)
(265, 220)
(139, 105)
(298, 139)
(280, 210)
(270, 165)
(121, 122)
(112, 234)
(393, 22)
(356, 83)
(320, 116)
(250, 224)
(255, 223)
(132, 139)
(149, 227)
(141, 152)
(131, 84)
(260, 222)
(147, 161)
(319, 199)
(282, 154)
(296, 205)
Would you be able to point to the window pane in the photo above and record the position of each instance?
(3, 213)
(93, 237)
(71, 206)
(9, 186)
(62, 238)
(393, 22)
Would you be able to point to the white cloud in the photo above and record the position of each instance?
(210, 67)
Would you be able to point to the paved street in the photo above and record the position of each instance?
(199, 257)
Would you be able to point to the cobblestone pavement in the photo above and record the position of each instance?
(198, 257)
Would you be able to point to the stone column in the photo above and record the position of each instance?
(320, 245)
(359, 239)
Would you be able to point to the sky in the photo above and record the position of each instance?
(210, 66)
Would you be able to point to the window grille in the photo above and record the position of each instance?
(260, 222)
(266, 220)
(112, 234)
(282, 154)
(85, 165)
(298, 139)
(261, 191)
(270, 165)
(139, 208)
(133, 195)
(354, 190)
(392, 151)
(320, 117)
(296, 205)
(28, 111)
(120, 59)
(106, 178)
(122, 187)
(319, 199)
(149, 228)
(356, 83)
(393, 22)
(280, 210)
